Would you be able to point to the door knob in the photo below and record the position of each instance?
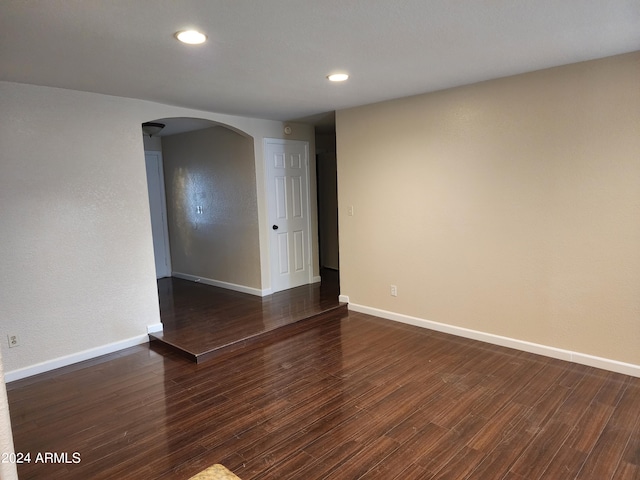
(275, 227)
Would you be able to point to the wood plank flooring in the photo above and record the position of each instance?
(204, 322)
(357, 397)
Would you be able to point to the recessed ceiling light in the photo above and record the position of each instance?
(338, 77)
(192, 37)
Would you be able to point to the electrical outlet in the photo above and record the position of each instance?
(394, 291)
(14, 341)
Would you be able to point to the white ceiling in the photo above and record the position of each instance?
(269, 58)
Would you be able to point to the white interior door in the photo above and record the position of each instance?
(287, 170)
(158, 209)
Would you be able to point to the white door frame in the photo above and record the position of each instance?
(279, 141)
(163, 211)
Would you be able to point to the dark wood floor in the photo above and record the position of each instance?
(204, 322)
(357, 397)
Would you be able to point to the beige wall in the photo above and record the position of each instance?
(213, 168)
(510, 207)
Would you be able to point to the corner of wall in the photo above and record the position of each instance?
(8, 470)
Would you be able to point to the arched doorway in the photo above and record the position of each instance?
(209, 184)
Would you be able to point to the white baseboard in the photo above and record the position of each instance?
(316, 279)
(547, 351)
(74, 358)
(344, 299)
(155, 328)
(227, 285)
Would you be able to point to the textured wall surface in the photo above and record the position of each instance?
(76, 249)
(212, 205)
(510, 207)
(76, 252)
